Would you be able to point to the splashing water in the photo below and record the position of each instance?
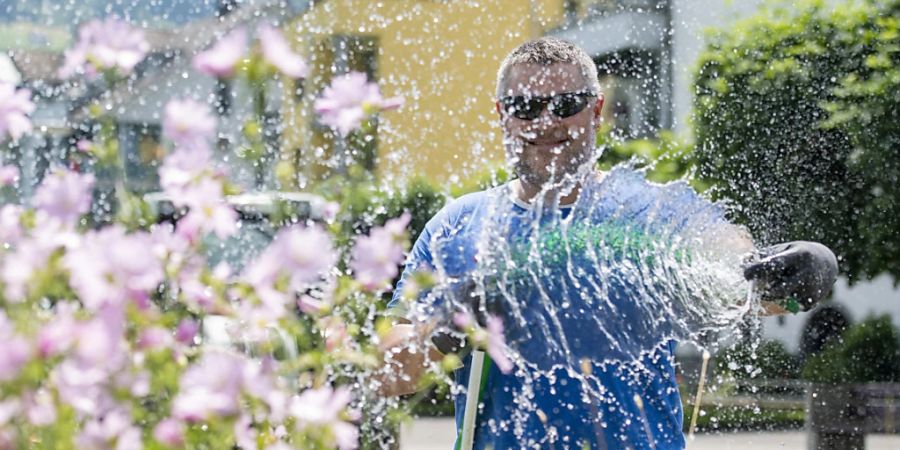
(628, 269)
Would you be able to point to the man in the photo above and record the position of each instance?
(624, 395)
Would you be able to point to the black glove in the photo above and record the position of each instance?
(796, 275)
(466, 295)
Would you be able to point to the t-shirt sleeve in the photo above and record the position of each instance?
(419, 258)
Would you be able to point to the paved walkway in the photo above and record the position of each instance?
(438, 434)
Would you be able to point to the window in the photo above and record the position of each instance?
(142, 152)
(633, 87)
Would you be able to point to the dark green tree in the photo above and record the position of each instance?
(797, 124)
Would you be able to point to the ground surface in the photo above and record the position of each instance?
(438, 434)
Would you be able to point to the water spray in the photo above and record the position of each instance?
(644, 421)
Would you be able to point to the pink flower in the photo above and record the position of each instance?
(351, 99)
(15, 351)
(64, 196)
(207, 211)
(277, 52)
(334, 330)
(111, 266)
(323, 406)
(154, 338)
(186, 331)
(169, 432)
(221, 59)
(15, 105)
(188, 123)
(308, 253)
(305, 254)
(310, 305)
(112, 431)
(182, 167)
(18, 267)
(496, 344)
(9, 175)
(491, 337)
(210, 388)
(10, 226)
(100, 342)
(376, 257)
(59, 334)
(84, 145)
(109, 44)
(39, 408)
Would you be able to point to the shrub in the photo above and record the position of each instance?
(796, 116)
(867, 352)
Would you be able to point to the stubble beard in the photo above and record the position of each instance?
(555, 176)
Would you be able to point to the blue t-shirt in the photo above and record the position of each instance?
(593, 282)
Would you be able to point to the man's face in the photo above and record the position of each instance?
(548, 147)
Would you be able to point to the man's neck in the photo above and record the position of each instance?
(528, 193)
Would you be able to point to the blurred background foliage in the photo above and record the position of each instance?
(796, 116)
(868, 351)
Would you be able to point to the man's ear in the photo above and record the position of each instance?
(499, 111)
(598, 106)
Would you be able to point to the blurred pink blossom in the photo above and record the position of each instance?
(15, 106)
(154, 338)
(9, 175)
(64, 196)
(310, 305)
(113, 266)
(376, 257)
(305, 254)
(15, 351)
(350, 100)
(491, 336)
(109, 44)
(323, 406)
(188, 123)
(210, 388)
(334, 330)
(114, 430)
(207, 210)
(496, 344)
(222, 58)
(170, 432)
(58, 335)
(100, 342)
(18, 267)
(10, 225)
(39, 407)
(84, 145)
(277, 52)
(186, 331)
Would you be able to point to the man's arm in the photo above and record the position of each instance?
(807, 271)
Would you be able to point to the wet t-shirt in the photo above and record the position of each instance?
(592, 296)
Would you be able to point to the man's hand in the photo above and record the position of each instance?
(796, 275)
(467, 295)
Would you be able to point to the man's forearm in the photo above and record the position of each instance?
(407, 356)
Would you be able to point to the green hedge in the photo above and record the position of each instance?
(867, 352)
(796, 122)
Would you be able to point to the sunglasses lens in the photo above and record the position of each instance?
(560, 105)
(522, 107)
(567, 105)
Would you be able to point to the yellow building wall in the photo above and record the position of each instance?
(442, 57)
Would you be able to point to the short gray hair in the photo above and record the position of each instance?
(547, 51)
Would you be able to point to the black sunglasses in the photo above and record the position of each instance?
(561, 105)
